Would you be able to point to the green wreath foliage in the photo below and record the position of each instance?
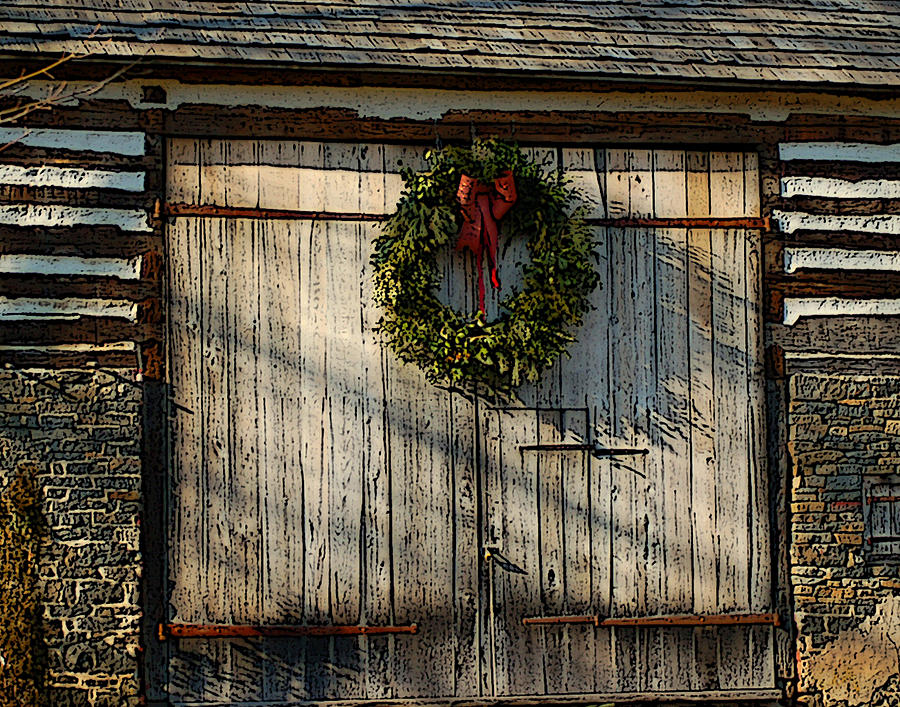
(536, 323)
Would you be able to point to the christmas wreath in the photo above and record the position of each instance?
(477, 198)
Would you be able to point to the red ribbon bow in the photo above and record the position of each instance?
(483, 205)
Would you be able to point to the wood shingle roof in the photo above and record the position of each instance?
(760, 41)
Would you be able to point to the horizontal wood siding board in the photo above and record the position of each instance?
(856, 283)
(95, 330)
(541, 128)
(852, 172)
(105, 141)
(54, 195)
(50, 308)
(19, 264)
(839, 259)
(796, 308)
(833, 239)
(791, 221)
(86, 241)
(18, 155)
(839, 151)
(834, 188)
(71, 177)
(840, 206)
(59, 286)
(57, 215)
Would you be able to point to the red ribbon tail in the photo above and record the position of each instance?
(481, 293)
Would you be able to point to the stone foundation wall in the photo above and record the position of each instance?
(844, 436)
(78, 432)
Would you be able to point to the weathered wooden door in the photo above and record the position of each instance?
(667, 378)
(316, 481)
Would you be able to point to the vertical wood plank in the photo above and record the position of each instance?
(623, 375)
(672, 421)
(466, 504)
(279, 386)
(703, 425)
(597, 358)
(343, 423)
(512, 488)
(645, 488)
(377, 607)
(732, 468)
(186, 313)
(315, 451)
(219, 548)
(760, 570)
(186, 558)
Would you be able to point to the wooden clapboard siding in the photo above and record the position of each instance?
(341, 488)
(837, 199)
(67, 198)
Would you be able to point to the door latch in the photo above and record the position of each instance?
(492, 554)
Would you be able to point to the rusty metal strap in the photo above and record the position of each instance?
(167, 631)
(771, 619)
(557, 620)
(176, 210)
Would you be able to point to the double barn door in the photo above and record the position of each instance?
(315, 480)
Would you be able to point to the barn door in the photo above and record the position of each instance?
(668, 515)
(316, 481)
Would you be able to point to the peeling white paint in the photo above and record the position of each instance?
(797, 258)
(847, 151)
(840, 188)
(120, 143)
(59, 215)
(790, 221)
(432, 104)
(71, 178)
(797, 307)
(124, 268)
(43, 308)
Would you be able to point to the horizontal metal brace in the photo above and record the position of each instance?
(763, 223)
(696, 620)
(660, 621)
(556, 620)
(217, 211)
(593, 449)
(167, 631)
(176, 210)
